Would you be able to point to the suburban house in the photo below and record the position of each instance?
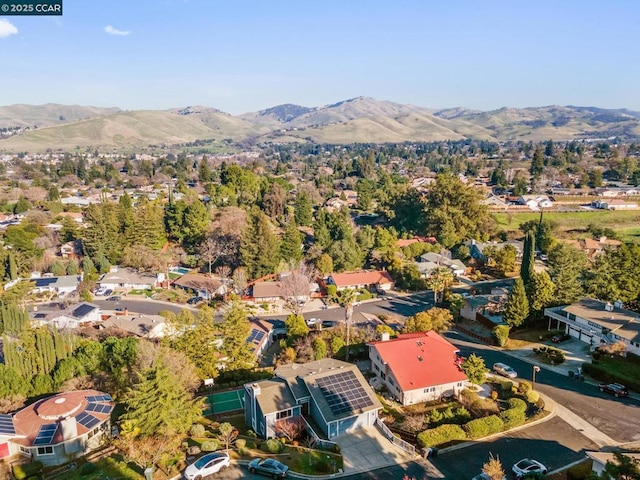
(374, 280)
(266, 291)
(333, 393)
(130, 279)
(431, 260)
(77, 217)
(71, 250)
(600, 459)
(476, 249)
(611, 192)
(261, 337)
(596, 322)
(494, 201)
(593, 248)
(61, 286)
(71, 317)
(535, 202)
(614, 204)
(59, 428)
(139, 325)
(201, 285)
(417, 367)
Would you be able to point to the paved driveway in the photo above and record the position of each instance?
(367, 449)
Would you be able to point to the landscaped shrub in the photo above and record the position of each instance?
(506, 386)
(483, 427)
(26, 470)
(209, 446)
(272, 446)
(364, 295)
(438, 436)
(517, 404)
(241, 443)
(501, 334)
(251, 433)
(88, 468)
(513, 417)
(532, 396)
(196, 430)
(524, 387)
(331, 290)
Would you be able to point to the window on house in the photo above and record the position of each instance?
(25, 450)
(45, 450)
(378, 357)
(375, 367)
(284, 414)
(383, 376)
(391, 382)
(429, 389)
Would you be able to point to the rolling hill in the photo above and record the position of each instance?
(360, 119)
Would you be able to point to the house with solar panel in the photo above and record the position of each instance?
(417, 367)
(57, 429)
(62, 285)
(331, 392)
(261, 336)
(71, 317)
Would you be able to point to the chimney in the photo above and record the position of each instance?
(69, 428)
(608, 307)
(617, 303)
(385, 336)
(256, 389)
(603, 239)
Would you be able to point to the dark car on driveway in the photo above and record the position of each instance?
(268, 466)
(115, 298)
(562, 337)
(615, 389)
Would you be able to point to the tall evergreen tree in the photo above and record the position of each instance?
(321, 230)
(303, 209)
(528, 258)
(517, 309)
(566, 269)
(540, 292)
(260, 249)
(291, 245)
(236, 330)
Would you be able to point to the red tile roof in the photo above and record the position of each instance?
(403, 357)
(372, 277)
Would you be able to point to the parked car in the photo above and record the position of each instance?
(268, 466)
(357, 304)
(312, 322)
(504, 370)
(195, 300)
(100, 292)
(615, 389)
(114, 298)
(107, 292)
(528, 465)
(207, 465)
(561, 337)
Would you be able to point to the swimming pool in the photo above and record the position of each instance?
(180, 270)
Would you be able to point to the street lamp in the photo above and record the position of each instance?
(535, 370)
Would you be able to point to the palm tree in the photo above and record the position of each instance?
(439, 280)
(346, 299)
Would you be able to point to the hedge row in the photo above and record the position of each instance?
(596, 371)
(475, 429)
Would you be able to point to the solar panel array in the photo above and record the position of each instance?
(343, 392)
(99, 408)
(87, 421)
(46, 434)
(99, 398)
(256, 336)
(82, 310)
(6, 425)
(45, 282)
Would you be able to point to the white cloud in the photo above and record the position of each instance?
(7, 28)
(114, 31)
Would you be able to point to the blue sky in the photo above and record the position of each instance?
(241, 55)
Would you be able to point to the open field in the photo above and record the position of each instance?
(625, 223)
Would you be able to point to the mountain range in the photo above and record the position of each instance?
(360, 119)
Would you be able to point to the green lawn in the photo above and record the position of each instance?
(624, 222)
(108, 467)
(625, 370)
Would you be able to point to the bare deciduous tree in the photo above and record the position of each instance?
(240, 280)
(294, 286)
(291, 428)
(493, 468)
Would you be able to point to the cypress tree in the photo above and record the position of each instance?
(291, 245)
(528, 258)
(517, 309)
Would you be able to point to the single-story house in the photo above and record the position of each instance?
(593, 248)
(56, 429)
(261, 337)
(375, 280)
(332, 392)
(600, 459)
(62, 285)
(71, 317)
(138, 324)
(614, 204)
(130, 279)
(476, 249)
(266, 291)
(71, 250)
(596, 322)
(201, 285)
(418, 367)
(77, 217)
(535, 202)
(431, 258)
(493, 201)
